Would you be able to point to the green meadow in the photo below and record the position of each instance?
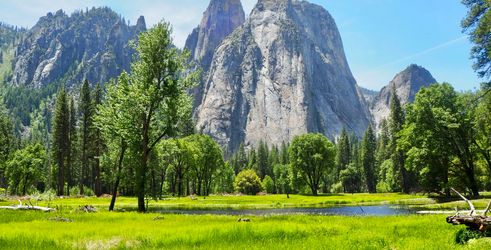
(70, 228)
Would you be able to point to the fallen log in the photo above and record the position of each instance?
(27, 207)
(20, 207)
(472, 221)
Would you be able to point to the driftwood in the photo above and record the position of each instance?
(471, 220)
(28, 207)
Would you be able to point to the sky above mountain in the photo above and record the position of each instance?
(381, 37)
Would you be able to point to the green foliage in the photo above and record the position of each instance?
(208, 160)
(224, 179)
(247, 182)
(438, 137)
(26, 169)
(149, 104)
(282, 178)
(368, 148)
(268, 184)
(477, 24)
(465, 234)
(61, 139)
(350, 179)
(312, 155)
(6, 140)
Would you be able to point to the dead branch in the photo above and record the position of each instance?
(471, 206)
(472, 221)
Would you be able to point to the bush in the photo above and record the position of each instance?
(247, 182)
(74, 191)
(88, 191)
(268, 184)
(337, 188)
(464, 235)
(383, 187)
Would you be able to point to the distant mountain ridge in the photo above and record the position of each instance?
(92, 45)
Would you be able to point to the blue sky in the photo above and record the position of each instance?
(381, 37)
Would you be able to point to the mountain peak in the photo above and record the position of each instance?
(281, 74)
(407, 83)
(219, 20)
(413, 78)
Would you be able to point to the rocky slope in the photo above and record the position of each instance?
(219, 20)
(407, 83)
(282, 73)
(92, 44)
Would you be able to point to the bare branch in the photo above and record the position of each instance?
(487, 208)
(465, 199)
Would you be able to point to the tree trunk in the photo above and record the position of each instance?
(118, 176)
(61, 180)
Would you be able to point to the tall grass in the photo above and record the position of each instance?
(104, 230)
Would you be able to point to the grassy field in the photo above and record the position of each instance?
(104, 230)
(130, 230)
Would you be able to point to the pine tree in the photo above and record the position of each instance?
(343, 153)
(71, 144)
(86, 113)
(262, 160)
(97, 146)
(6, 141)
(396, 120)
(241, 159)
(60, 138)
(368, 147)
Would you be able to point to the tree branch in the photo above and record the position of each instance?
(465, 199)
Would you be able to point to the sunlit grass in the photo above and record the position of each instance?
(34, 230)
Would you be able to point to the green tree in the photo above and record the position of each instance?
(97, 145)
(368, 147)
(396, 121)
(312, 155)
(282, 179)
(209, 160)
(482, 121)
(72, 149)
(268, 184)
(6, 140)
(477, 24)
(224, 179)
(351, 179)
(438, 136)
(26, 169)
(343, 151)
(60, 138)
(86, 113)
(156, 100)
(247, 182)
(262, 165)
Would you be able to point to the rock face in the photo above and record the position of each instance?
(282, 73)
(219, 20)
(92, 45)
(407, 83)
(369, 95)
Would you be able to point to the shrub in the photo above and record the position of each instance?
(464, 235)
(74, 191)
(268, 184)
(247, 182)
(337, 188)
